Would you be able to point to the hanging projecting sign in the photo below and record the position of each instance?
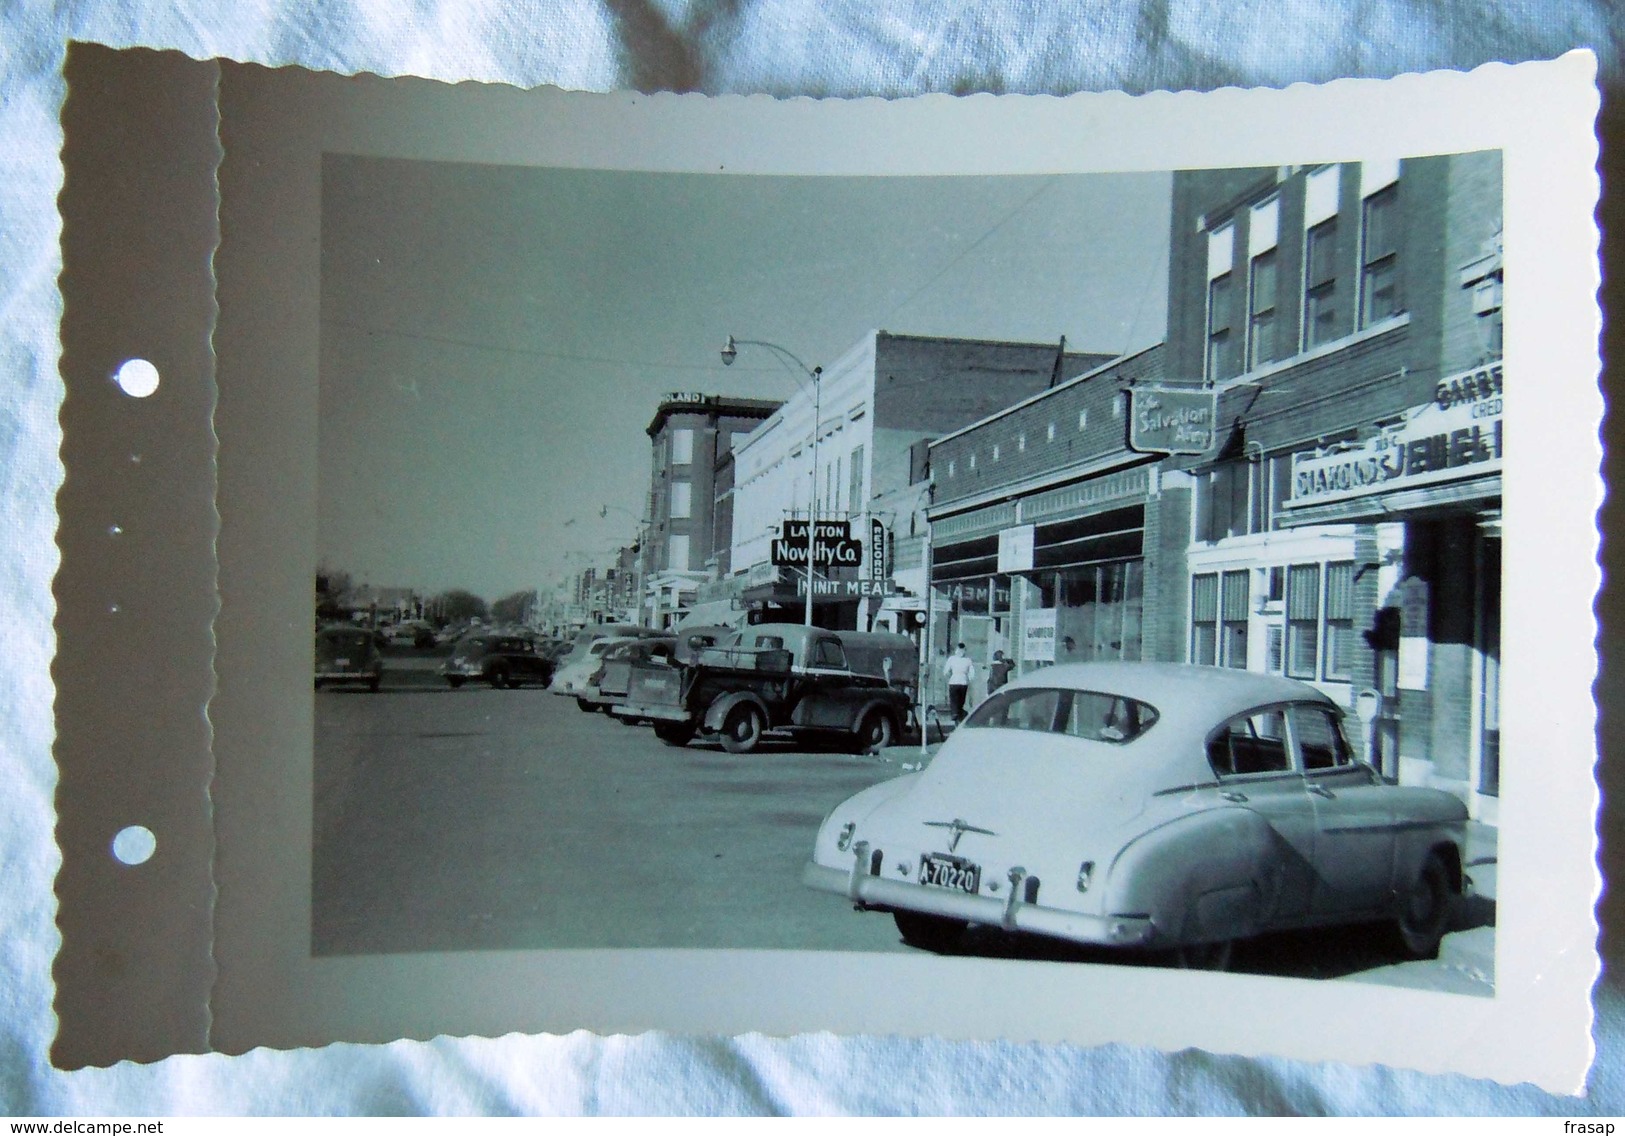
(1172, 421)
(877, 550)
(834, 547)
(1016, 549)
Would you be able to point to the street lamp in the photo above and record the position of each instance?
(730, 351)
(637, 561)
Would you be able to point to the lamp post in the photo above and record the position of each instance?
(730, 351)
(637, 561)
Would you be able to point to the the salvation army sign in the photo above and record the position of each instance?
(1170, 421)
(834, 547)
(1457, 435)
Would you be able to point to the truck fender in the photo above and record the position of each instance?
(717, 712)
(1202, 877)
(890, 709)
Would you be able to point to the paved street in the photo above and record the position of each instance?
(508, 819)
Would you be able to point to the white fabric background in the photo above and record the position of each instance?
(793, 47)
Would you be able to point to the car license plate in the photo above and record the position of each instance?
(950, 872)
(341, 662)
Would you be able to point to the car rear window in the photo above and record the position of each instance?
(1091, 715)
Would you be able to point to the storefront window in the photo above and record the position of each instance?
(1204, 619)
(1339, 621)
(1302, 620)
(1233, 619)
(1099, 611)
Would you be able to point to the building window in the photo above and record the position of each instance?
(1262, 341)
(1302, 620)
(681, 499)
(1083, 419)
(1223, 502)
(919, 461)
(1379, 256)
(682, 447)
(1021, 443)
(950, 467)
(995, 451)
(1321, 323)
(1339, 621)
(1205, 619)
(973, 459)
(1233, 602)
(1222, 362)
(677, 553)
(1051, 432)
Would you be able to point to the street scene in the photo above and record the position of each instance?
(1140, 605)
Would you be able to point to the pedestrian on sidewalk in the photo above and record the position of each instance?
(998, 671)
(959, 670)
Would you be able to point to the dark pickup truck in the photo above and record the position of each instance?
(782, 679)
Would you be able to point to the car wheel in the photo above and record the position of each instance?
(1425, 909)
(375, 682)
(454, 681)
(497, 678)
(930, 932)
(586, 707)
(742, 729)
(1205, 956)
(875, 732)
(677, 734)
(318, 684)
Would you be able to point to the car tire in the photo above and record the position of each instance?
(1425, 909)
(930, 932)
(1205, 956)
(454, 681)
(675, 734)
(875, 732)
(742, 729)
(586, 707)
(375, 682)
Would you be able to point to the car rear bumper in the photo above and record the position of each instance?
(652, 710)
(1010, 913)
(342, 676)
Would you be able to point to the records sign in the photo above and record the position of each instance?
(1172, 421)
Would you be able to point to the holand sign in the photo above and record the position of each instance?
(1038, 635)
(1455, 436)
(833, 548)
(1172, 421)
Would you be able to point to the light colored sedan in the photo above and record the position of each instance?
(1153, 806)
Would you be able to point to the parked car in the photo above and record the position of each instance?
(501, 660)
(577, 669)
(1148, 805)
(348, 655)
(607, 687)
(410, 633)
(785, 679)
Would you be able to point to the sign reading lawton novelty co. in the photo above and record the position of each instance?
(834, 547)
(1167, 421)
(1455, 436)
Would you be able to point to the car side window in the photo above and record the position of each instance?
(828, 653)
(1320, 739)
(1250, 743)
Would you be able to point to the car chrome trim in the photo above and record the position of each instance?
(1010, 913)
(957, 828)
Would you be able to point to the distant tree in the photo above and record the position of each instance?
(458, 606)
(515, 608)
(332, 593)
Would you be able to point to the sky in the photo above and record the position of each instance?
(494, 340)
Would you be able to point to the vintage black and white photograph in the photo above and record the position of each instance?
(1154, 523)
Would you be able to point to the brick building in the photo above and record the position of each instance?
(1092, 564)
(879, 406)
(687, 434)
(1345, 527)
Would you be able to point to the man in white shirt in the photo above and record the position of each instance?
(960, 670)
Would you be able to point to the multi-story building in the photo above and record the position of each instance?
(1051, 539)
(688, 433)
(1346, 526)
(878, 406)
